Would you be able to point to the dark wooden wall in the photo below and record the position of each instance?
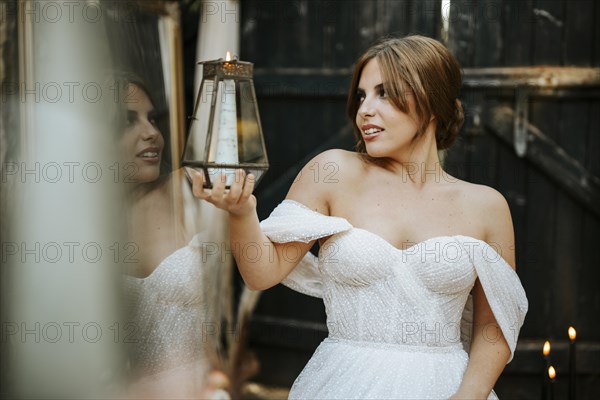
(303, 53)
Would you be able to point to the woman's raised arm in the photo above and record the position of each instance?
(262, 263)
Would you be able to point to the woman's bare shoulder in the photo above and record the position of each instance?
(338, 155)
(483, 198)
(330, 166)
(490, 209)
(324, 175)
(478, 193)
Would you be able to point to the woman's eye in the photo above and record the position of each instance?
(153, 117)
(382, 92)
(131, 117)
(360, 97)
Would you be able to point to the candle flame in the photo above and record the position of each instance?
(546, 349)
(572, 333)
(551, 372)
(228, 56)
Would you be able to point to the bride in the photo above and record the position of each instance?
(416, 268)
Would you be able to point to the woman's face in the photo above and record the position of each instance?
(141, 142)
(386, 130)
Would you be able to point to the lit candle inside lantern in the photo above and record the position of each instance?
(572, 372)
(552, 376)
(227, 149)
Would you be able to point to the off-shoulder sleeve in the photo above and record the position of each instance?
(504, 293)
(291, 221)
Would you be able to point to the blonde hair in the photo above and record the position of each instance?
(426, 68)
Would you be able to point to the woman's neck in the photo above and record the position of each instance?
(420, 164)
(137, 191)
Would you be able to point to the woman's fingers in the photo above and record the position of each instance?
(218, 189)
(239, 192)
(197, 183)
(236, 187)
(248, 189)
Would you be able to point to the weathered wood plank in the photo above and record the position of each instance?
(393, 16)
(339, 21)
(569, 263)
(596, 33)
(547, 156)
(578, 42)
(483, 160)
(548, 30)
(550, 82)
(488, 40)
(535, 76)
(488, 45)
(426, 18)
(313, 83)
(461, 33)
(518, 26)
(588, 295)
(592, 160)
(541, 193)
(511, 181)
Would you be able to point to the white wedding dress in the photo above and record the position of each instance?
(398, 320)
(169, 317)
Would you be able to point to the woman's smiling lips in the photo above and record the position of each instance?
(150, 154)
(370, 131)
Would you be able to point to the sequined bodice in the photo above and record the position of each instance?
(375, 292)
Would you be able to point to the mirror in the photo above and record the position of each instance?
(168, 283)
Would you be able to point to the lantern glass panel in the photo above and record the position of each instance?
(195, 147)
(251, 146)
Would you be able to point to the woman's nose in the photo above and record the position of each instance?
(366, 109)
(150, 131)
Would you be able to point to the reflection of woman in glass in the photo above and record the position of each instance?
(150, 194)
(164, 278)
(142, 142)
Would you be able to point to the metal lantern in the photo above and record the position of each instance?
(225, 133)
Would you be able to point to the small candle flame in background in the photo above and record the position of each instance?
(546, 349)
(551, 372)
(228, 56)
(572, 364)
